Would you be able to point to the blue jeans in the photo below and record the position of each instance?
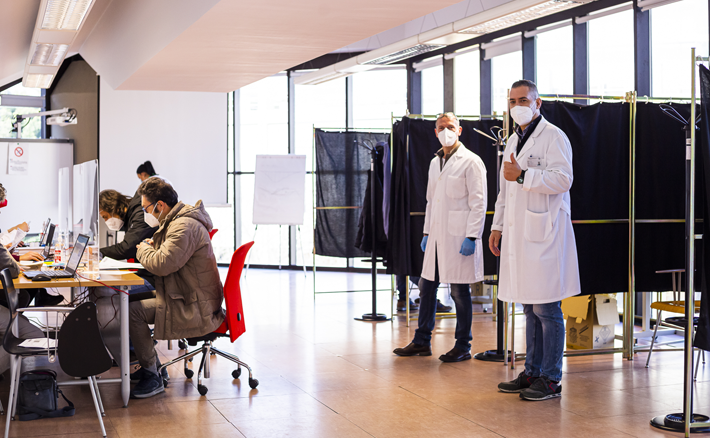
(427, 312)
(147, 287)
(545, 338)
(402, 285)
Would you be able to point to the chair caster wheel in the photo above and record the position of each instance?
(212, 353)
(182, 345)
(253, 383)
(189, 373)
(165, 383)
(202, 389)
(236, 373)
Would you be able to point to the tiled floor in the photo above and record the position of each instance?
(324, 374)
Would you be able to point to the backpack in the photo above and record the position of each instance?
(38, 395)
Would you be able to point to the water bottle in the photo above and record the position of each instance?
(59, 249)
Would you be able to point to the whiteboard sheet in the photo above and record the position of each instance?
(279, 189)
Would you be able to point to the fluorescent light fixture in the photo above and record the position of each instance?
(521, 16)
(604, 13)
(404, 54)
(645, 5)
(538, 31)
(65, 14)
(57, 25)
(33, 80)
(48, 54)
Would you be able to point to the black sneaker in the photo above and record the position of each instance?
(542, 389)
(523, 381)
(140, 372)
(150, 385)
(413, 350)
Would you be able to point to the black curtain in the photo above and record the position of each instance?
(702, 335)
(414, 146)
(599, 135)
(342, 166)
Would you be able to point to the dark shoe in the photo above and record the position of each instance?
(413, 350)
(521, 382)
(455, 355)
(44, 299)
(140, 373)
(401, 306)
(149, 385)
(542, 389)
(440, 308)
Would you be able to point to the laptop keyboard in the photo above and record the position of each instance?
(53, 274)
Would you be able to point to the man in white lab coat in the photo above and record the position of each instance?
(538, 265)
(454, 221)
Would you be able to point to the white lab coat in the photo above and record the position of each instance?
(538, 261)
(456, 209)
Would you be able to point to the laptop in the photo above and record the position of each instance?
(48, 251)
(43, 236)
(72, 263)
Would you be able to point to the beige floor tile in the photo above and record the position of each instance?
(302, 427)
(271, 407)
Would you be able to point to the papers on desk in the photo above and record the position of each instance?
(43, 343)
(109, 263)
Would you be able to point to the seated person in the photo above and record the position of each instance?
(26, 328)
(187, 284)
(8, 239)
(122, 213)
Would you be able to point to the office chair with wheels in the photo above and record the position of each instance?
(76, 343)
(233, 326)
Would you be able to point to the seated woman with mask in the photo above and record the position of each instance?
(122, 213)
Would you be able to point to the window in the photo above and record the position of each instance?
(467, 84)
(377, 95)
(555, 61)
(506, 69)
(32, 128)
(263, 130)
(611, 54)
(675, 28)
(433, 90)
(319, 106)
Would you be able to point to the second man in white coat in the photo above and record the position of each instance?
(453, 227)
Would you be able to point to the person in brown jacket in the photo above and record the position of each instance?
(187, 284)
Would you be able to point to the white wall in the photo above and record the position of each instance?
(184, 135)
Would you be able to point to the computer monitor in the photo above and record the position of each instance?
(77, 252)
(50, 240)
(43, 236)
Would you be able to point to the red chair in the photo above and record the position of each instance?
(233, 326)
(213, 232)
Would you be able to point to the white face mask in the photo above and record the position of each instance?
(151, 220)
(522, 115)
(447, 137)
(114, 224)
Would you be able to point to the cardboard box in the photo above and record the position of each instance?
(590, 321)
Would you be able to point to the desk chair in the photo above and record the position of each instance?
(76, 343)
(233, 326)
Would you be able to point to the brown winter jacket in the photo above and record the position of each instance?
(187, 283)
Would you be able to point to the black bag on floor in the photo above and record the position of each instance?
(38, 395)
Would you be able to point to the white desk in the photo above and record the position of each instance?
(119, 281)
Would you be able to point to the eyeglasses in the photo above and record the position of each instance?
(144, 208)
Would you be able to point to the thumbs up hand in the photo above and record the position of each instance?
(511, 169)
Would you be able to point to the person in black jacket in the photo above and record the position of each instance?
(122, 213)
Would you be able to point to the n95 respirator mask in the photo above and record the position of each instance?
(447, 137)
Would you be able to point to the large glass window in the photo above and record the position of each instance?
(263, 130)
(506, 69)
(433, 90)
(319, 106)
(377, 95)
(675, 28)
(555, 61)
(31, 128)
(467, 84)
(611, 54)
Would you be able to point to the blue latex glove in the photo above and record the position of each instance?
(423, 244)
(468, 247)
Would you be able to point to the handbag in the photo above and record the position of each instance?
(38, 395)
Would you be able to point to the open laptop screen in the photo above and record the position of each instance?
(50, 239)
(77, 252)
(45, 232)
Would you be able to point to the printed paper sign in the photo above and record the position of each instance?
(17, 159)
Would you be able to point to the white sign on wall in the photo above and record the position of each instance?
(279, 189)
(17, 159)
